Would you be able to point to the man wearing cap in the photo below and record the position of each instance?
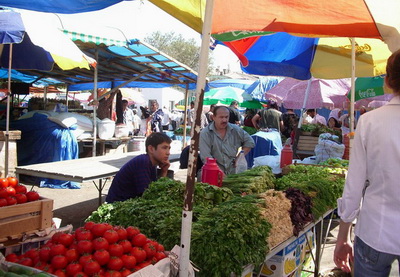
(268, 118)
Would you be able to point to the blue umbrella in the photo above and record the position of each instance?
(258, 89)
(12, 30)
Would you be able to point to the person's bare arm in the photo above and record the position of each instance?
(255, 120)
(343, 254)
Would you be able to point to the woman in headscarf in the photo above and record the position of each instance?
(333, 119)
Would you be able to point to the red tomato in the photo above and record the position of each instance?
(143, 264)
(20, 189)
(11, 191)
(3, 202)
(126, 245)
(132, 231)
(81, 274)
(83, 234)
(21, 198)
(129, 261)
(115, 263)
(12, 181)
(12, 258)
(89, 225)
(72, 255)
(122, 233)
(32, 196)
(101, 256)
(150, 250)
(41, 265)
(73, 268)
(112, 273)
(91, 267)
(26, 261)
(116, 250)
(125, 272)
(160, 255)
(100, 243)
(11, 200)
(44, 253)
(99, 229)
(3, 182)
(85, 258)
(139, 240)
(60, 273)
(111, 236)
(85, 246)
(66, 239)
(57, 249)
(3, 193)
(59, 262)
(32, 253)
(139, 254)
(160, 247)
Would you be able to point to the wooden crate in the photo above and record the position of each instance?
(19, 219)
(13, 136)
(307, 143)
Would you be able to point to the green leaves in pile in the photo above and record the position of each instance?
(317, 182)
(253, 181)
(229, 236)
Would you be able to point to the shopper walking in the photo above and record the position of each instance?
(371, 193)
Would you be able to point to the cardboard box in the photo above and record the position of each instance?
(19, 219)
(287, 261)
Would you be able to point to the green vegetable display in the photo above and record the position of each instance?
(158, 212)
(335, 162)
(317, 182)
(229, 236)
(253, 181)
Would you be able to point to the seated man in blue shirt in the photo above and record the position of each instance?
(136, 175)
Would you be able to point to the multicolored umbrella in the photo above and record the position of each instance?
(282, 54)
(42, 47)
(238, 19)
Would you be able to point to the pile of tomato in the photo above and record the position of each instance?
(12, 193)
(96, 249)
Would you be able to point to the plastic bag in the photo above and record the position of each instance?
(241, 163)
(328, 147)
(274, 162)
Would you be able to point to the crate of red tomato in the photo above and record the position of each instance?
(22, 211)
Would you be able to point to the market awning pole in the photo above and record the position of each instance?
(353, 85)
(185, 116)
(95, 106)
(6, 137)
(304, 103)
(194, 143)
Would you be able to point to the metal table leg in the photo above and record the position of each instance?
(99, 187)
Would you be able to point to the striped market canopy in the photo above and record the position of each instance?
(93, 39)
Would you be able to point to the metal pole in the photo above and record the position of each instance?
(353, 80)
(185, 116)
(95, 106)
(6, 137)
(194, 143)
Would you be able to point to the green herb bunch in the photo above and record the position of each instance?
(229, 236)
